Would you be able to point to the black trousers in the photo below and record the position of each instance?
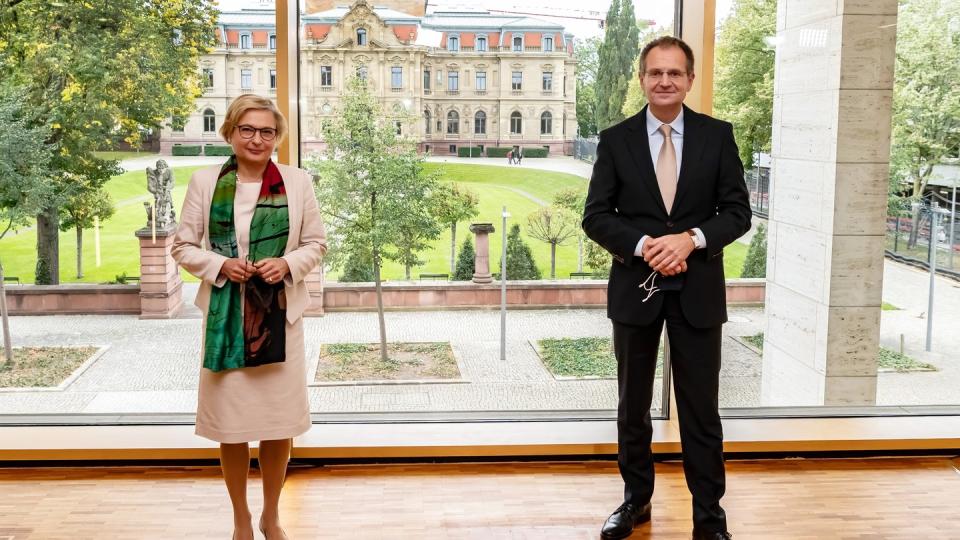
(695, 360)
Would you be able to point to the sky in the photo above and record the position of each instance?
(659, 11)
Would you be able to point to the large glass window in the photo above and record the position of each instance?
(453, 81)
(453, 122)
(516, 123)
(480, 123)
(546, 123)
(481, 81)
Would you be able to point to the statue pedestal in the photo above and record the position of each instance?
(481, 272)
(161, 289)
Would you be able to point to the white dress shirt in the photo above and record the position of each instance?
(655, 138)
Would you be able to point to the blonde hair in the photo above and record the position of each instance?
(249, 102)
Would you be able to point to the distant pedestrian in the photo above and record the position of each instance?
(510, 157)
(519, 156)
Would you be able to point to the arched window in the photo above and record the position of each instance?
(209, 121)
(516, 123)
(480, 123)
(361, 36)
(426, 120)
(546, 123)
(453, 122)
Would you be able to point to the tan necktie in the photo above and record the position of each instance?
(667, 168)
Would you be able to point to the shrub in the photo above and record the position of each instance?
(357, 270)
(755, 264)
(498, 151)
(520, 263)
(186, 150)
(535, 152)
(217, 150)
(466, 262)
(469, 151)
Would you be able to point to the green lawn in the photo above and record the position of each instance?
(518, 189)
(121, 155)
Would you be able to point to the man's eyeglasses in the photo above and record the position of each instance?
(247, 132)
(673, 74)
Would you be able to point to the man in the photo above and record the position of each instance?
(666, 195)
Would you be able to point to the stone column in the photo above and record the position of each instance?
(161, 289)
(482, 231)
(831, 148)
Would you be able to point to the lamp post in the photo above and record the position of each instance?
(503, 285)
(935, 212)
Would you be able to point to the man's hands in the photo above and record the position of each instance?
(668, 254)
(240, 270)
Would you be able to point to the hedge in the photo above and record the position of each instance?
(498, 151)
(186, 150)
(217, 150)
(469, 151)
(534, 152)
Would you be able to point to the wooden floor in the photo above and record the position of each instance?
(783, 499)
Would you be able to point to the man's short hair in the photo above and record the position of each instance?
(666, 42)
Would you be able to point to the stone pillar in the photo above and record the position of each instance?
(481, 273)
(161, 289)
(831, 148)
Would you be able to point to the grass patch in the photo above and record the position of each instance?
(755, 340)
(887, 359)
(123, 154)
(888, 307)
(583, 357)
(42, 366)
(407, 361)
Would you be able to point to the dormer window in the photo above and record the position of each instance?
(481, 44)
(245, 41)
(361, 36)
(273, 41)
(453, 43)
(548, 44)
(518, 44)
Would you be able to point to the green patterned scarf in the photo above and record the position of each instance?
(246, 324)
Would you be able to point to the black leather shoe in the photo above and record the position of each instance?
(711, 535)
(621, 522)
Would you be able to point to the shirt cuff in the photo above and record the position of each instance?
(700, 239)
(639, 251)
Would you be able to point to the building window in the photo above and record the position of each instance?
(273, 41)
(245, 41)
(361, 36)
(399, 126)
(209, 121)
(480, 123)
(453, 81)
(426, 121)
(548, 44)
(453, 122)
(518, 44)
(516, 123)
(273, 79)
(207, 78)
(246, 79)
(517, 83)
(326, 75)
(362, 73)
(396, 77)
(453, 43)
(481, 44)
(481, 80)
(547, 81)
(426, 79)
(546, 123)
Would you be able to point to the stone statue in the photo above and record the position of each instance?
(160, 184)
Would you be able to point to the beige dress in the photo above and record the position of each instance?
(259, 403)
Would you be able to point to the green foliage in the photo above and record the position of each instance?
(469, 151)
(498, 151)
(744, 74)
(452, 204)
(553, 225)
(635, 98)
(186, 150)
(24, 165)
(597, 259)
(535, 152)
(579, 357)
(520, 263)
(466, 262)
(755, 265)
(890, 360)
(217, 150)
(586, 53)
(616, 62)
(357, 268)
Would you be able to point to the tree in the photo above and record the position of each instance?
(744, 74)
(466, 262)
(454, 203)
(79, 213)
(554, 226)
(598, 259)
(635, 99)
(24, 156)
(520, 263)
(573, 200)
(926, 97)
(93, 71)
(357, 269)
(372, 186)
(755, 264)
(586, 52)
(615, 62)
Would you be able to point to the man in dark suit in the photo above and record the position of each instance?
(667, 194)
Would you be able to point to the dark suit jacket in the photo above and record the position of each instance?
(624, 203)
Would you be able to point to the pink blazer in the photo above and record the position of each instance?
(306, 244)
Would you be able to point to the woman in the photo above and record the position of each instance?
(251, 231)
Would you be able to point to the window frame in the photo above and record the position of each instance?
(209, 116)
(328, 74)
(482, 39)
(246, 73)
(245, 40)
(513, 43)
(516, 81)
(363, 38)
(395, 73)
(480, 81)
(453, 121)
(516, 123)
(546, 81)
(453, 81)
(480, 123)
(546, 116)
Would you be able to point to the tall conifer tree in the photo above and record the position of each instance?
(617, 54)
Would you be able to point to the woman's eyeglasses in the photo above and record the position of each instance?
(247, 132)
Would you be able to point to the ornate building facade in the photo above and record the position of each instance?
(450, 79)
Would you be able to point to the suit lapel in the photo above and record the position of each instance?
(692, 150)
(639, 149)
(294, 208)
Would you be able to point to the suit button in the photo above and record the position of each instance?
(669, 224)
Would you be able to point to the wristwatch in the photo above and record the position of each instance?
(693, 237)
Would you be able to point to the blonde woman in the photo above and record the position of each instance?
(251, 231)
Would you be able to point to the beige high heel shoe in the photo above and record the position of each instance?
(264, 533)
